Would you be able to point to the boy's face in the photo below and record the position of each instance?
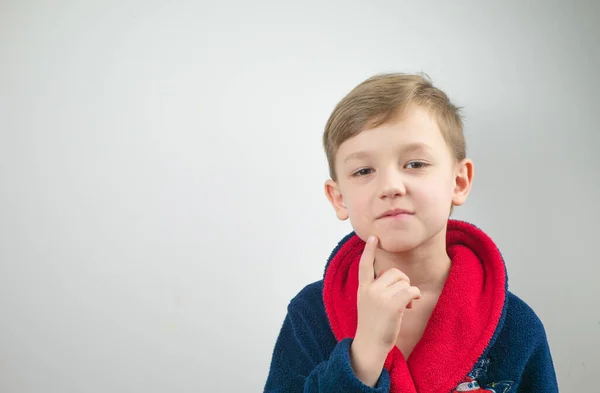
(406, 167)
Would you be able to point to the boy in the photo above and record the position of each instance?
(411, 301)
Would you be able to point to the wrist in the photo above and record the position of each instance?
(376, 351)
(367, 360)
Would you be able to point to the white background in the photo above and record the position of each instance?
(162, 174)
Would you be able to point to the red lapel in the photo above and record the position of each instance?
(463, 321)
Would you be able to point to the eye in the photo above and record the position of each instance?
(416, 165)
(362, 172)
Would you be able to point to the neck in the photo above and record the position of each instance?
(427, 266)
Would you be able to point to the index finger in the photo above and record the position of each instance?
(366, 271)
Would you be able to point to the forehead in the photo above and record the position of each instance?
(415, 130)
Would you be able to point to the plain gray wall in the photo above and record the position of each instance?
(162, 174)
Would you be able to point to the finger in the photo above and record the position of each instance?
(392, 276)
(395, 293)
(366, 272)
(410, 304)
(406, 295)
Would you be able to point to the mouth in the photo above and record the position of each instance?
(395, 213)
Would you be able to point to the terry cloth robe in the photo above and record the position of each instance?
(480, 337)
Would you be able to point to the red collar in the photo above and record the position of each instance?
(462, 325)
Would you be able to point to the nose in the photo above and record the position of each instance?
(392, 184)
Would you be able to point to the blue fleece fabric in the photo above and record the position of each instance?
(307, 358)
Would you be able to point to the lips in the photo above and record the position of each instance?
(394, 213)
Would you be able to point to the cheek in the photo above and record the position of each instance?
(359, 210)
(435, 195)
(356, 200)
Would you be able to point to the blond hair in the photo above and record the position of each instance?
(382, 97)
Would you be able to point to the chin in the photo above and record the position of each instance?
(398, 244)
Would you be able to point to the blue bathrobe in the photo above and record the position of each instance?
(480, 337)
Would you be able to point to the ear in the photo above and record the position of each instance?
(333, 193)
(462, 181)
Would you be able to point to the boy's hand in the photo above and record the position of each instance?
(381, 305)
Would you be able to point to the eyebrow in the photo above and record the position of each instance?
(356, 155)
(410, 148)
